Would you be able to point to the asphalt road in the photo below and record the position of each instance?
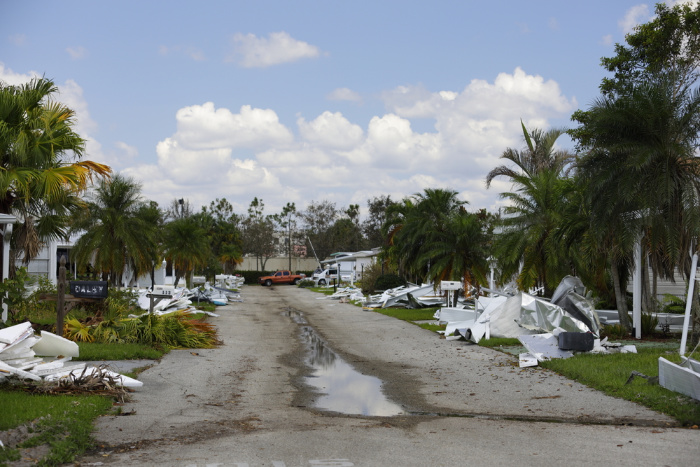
(246, 403)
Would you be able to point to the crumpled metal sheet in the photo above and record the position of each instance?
(539, 315)
(569, 296)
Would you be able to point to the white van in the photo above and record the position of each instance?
(326, 276)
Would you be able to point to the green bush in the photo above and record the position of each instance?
(388, 281)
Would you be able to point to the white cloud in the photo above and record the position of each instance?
(251, 51)
(607, 40)
(77, 53)
(331, 130)
(204, 126)
(638, 14)
(344, 94)
(218, 153)
(11, 78)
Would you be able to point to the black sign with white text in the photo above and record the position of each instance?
(88, 289)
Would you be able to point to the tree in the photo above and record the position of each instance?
(667, 45)
(152, 216)
(186, 246)
(372, 226)
(431, 236)
(258, 233)
(318, 218)
(459, 253)
(42, 175)
(116, 232)
(525, 245)
(287, 222)
(224, 234)
(642, 170)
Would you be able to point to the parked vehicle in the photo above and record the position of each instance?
(326, 276)
(281, 277)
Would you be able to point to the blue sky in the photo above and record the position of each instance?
(313, 100)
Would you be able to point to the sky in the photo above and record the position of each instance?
(309, 101)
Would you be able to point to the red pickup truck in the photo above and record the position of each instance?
(281, 277)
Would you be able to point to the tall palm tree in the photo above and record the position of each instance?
(525, 246)
(539, 155)
(644, 176)
(185, 245)
(41, 171)
(115, 233)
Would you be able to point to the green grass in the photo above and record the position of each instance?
(63, 423)
(90, 351)
(496, 342)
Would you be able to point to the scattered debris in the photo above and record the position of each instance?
(650, 379)
(20, 350)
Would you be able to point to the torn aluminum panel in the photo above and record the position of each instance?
(52, 345)
(544, 347)
(569, 295)
(526, 359)
(540, 315)
(448, 315)
(683, 378)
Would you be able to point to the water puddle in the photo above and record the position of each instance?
(342, 388)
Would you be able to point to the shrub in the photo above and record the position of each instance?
(649, 323)
(306, 283)
(388, 281)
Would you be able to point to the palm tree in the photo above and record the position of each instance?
(525, 246)
(644, 177)
(460, 253)
(186, 246)
(41, 174)
(116, 233)
(433, 237)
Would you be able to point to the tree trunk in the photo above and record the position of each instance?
(620, 297)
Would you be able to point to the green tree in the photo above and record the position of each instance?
(258, 233)
(286, 220)
(42, 175)
(431, 236)
(642, 171)
(224, 233)
(115, 234)
(317, 219)
(372, 226)
(669, 44)
(186, 246)
(525, 246)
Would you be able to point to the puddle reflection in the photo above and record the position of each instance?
(342, 388)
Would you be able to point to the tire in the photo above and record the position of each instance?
(268, 283)
(322, 282)
(295, 281)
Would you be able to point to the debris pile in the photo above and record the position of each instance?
(25, 356)
(548, 329)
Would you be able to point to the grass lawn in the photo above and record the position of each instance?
(59, 426)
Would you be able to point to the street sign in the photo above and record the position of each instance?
(88, 289)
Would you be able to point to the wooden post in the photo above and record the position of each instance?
(61, 286)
